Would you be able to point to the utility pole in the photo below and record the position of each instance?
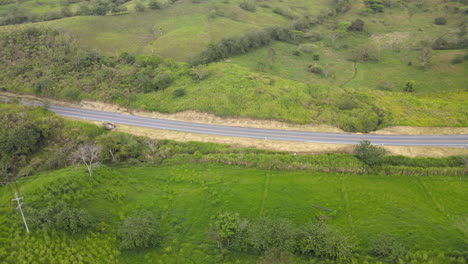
(18, 200)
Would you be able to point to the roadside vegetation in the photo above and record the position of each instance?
(157, 199)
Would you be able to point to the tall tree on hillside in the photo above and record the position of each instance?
(425, 56)
(87, 154)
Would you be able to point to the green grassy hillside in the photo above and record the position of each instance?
(335, 62)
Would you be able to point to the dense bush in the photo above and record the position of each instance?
(227, 229)
(364, 53)
(154, 4)
(369, 154)
(317, 239)
(265, 233)
(440, 21)
(180, 92)
(139, 231)
(357, 25)
(341, 6)
(375, 5)
(248, 5)
(61, 216)
(409, 86)
(23, 133)
(387, 247)
(457, 59)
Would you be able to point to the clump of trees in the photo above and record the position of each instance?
(17, 14)
(279, 238)
(234, 46)
(61, 216)
(22, 134)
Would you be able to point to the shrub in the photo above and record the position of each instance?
(200, 72)
(375, 5)
(369, 154)
(357, 25)
(139, 231)
(315, 57)
(178, 92)
(409, 86)
(161, 81)
(265, 234)
(364, 53)
(248, 5)
(153, 4)
(275, 256)
(314, 68)
(139, 6)
(318, 240)
(440, 21)
(341, 6)
(73, 220)
(284, 12)
(226, 227)
(457, 59)
(43, 85)
(386, 247)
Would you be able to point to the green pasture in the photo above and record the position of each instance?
(425, 213)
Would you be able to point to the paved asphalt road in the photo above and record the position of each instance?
(271, 134)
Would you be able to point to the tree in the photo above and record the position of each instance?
(369, 154)
(266, 234)
(226, 228)
(364, 53)
(317, 239)
(139, 231)
(357, 25)
(248, 5)
(88, 154)
(409, 86)
(425, 56)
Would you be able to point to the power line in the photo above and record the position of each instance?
(19, 207)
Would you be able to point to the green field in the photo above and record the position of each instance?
(418, 201)
(425, 213)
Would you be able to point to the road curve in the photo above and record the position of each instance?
(258, 133)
